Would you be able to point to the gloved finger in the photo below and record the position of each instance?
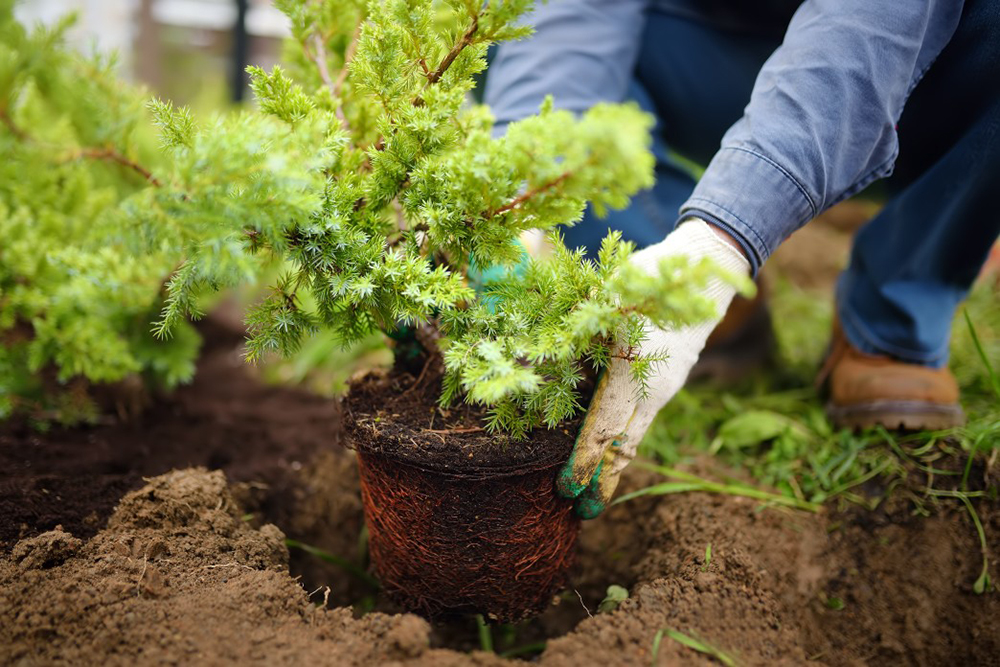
(599, 493)
(612, 404)
(595, 498)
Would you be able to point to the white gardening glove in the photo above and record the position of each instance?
(618, 417)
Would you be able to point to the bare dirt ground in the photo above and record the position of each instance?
(180, 576)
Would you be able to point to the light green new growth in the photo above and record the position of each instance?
(379, 187)
(76, 299)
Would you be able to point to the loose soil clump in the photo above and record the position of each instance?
(177, 577)
(280, 445)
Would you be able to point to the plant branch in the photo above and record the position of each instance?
(466, 40)
(112, 155)
(420, 378)
(109, 154)
(520, 199)
(319, 58)
(449, 431)
(14, 129)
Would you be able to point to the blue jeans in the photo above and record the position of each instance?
(910, 266)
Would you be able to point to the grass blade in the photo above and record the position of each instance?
(536, 647)
(691, 482)
(983, 582)
(344, 564)
(485, 634)
(692, 643)
(994, 378)
(655, 650)
(662, 489)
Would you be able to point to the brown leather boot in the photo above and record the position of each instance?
(866, 390)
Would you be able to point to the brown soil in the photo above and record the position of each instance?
(180, 574)
(178, 577)
(225, 420)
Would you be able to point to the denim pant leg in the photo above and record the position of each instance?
(695, 80)
(912, 265)
(651, 214)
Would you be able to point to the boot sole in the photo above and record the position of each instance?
(896, 415)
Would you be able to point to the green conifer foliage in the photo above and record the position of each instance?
(378, 185)
(76, 300)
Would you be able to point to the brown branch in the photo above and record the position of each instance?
(320, 60)
(465, 41)
(114, 156)
(14, 129)
(420, 378)
(109, 154)
(520, 199)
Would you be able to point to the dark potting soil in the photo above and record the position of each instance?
(397, 415)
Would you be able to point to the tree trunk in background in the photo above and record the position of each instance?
(241, 51)
(148, 50)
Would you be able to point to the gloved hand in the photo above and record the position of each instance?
(618, 417)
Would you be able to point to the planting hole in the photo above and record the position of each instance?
(323, 517)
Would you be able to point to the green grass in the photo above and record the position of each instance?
(688, 483)
(485, 634)
(773, 426)
(692, 643)
(347, 566)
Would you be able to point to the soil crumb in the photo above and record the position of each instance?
(46, 550)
